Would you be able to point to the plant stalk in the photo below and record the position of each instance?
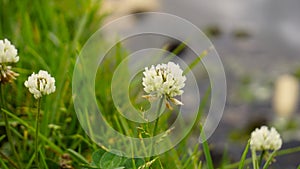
(261, 157)
(254, 159)
(157, 115)
(37, 132)
(155, 125)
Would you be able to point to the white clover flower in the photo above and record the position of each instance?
(164, 79)
(8, 52)
(265, 139)
(40, 84)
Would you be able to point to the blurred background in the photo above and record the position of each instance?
(259, 44)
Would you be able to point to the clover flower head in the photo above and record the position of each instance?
(8, 52)
(6, 74)
(40, 84)
(265, 139)
(164, 80)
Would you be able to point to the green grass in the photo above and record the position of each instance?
(49, 35)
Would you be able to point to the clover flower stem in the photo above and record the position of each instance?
(7, 128)
(261, 157)
(254, 159)
(37, 132)
(157, 115)
(156, 124)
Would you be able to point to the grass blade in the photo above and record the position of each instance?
(196, 61)
(30, 161)
(8, 159)
(206, 151)
(44, 138)
(77, 156)
(3, 164)
(269, 160)
(242, 161)
(43, 159)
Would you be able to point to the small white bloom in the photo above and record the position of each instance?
(164, 79)
(8, 52)
(40, 84)
(265, 139)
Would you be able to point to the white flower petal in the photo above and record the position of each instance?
(40, 84)
(265, 139)
(8, 52)
(164, 79)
